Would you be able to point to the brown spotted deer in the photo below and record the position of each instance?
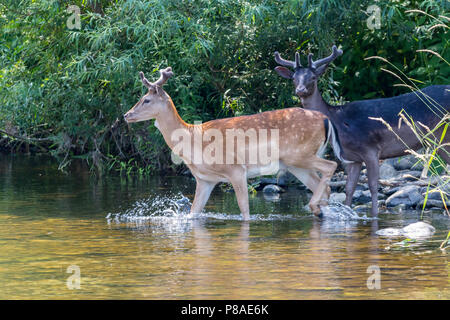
(362, 137)
(297, 138)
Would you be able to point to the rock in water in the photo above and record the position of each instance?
(390, 232)
(415, 230)
(337, 197)
(273, 188)
(271, 196)
(339, 211)
(419, 230)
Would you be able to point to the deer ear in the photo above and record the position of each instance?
(321, 70)
(284, 72)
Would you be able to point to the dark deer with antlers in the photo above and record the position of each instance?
(362, 136)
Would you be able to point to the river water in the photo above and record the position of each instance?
(130, 238)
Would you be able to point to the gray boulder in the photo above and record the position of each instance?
(405, 163)
(364, 196)
(361, 196)
(390, 190)
(431, 203)
(436, 195)
(387, 171)
(409, 196)
(431, 195)
(412, 175)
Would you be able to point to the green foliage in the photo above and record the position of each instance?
(66, 90)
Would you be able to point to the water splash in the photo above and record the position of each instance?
(154, 207)
(161, 209)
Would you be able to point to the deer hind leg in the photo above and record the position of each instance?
(326, 168)
(309, 178)
(202, 192)
(353, 171)
(373, 174)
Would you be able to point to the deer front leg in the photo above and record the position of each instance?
(373, 173)
(326, 168)
(202, 192)
(239, 183)
(353, 170)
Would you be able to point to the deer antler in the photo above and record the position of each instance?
(315, 64)
(165, 75)
(144, 80)
(288, 63)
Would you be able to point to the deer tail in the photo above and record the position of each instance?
(333, 139)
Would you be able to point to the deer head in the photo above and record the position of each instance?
(305, 78)
(154, 102)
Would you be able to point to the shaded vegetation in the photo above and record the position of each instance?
(64, 91)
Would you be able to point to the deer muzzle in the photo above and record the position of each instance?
(301, 91)
(129, 117)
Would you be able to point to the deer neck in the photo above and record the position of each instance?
(169, 122)
(316, 102)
